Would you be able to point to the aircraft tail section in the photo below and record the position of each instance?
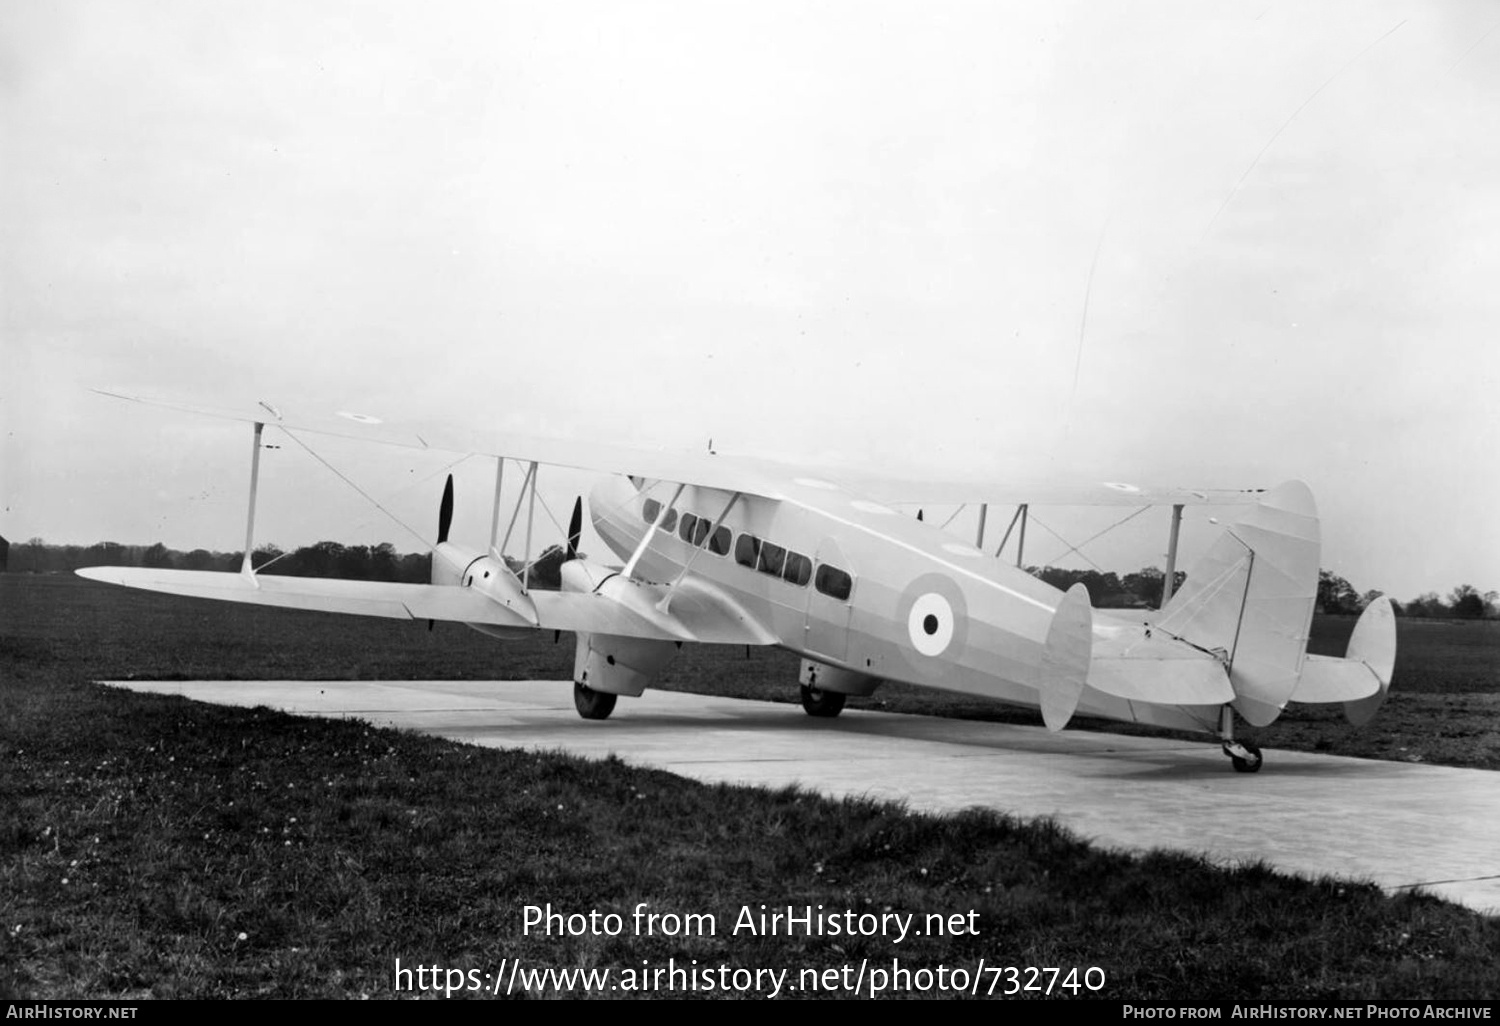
(1361, 679)
(1249, 600)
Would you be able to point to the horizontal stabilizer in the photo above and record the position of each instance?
(1177, 680)
(1374, 644)
(1331, 679)
(1362, 679)
(1137, 664)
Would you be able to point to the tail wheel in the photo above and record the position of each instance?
(1249, 762)
(818, 702)
(591, 704)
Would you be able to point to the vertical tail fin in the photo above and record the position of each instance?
(1066, 658)
(1250, 600)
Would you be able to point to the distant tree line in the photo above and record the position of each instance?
(322, 559)
(1142, 590)
(1107, 590)
(1466, 602)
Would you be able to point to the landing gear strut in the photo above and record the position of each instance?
(818, 702)
(1243, 756)
(591, 704)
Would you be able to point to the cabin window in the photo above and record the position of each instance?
(747, 550)
(669, 521)
(701, 529)
(833, 582)
(798, 569)
(686, 526)
(650, 510)
(772, 557)
(719, 543)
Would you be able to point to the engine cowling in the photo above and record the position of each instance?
(835, 678)
(457, 566)
(620, 665)
(583, 575)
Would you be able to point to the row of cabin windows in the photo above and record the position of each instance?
(690, 528)
(792, 567)
(753, 552)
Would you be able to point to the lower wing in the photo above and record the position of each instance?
(694, 616)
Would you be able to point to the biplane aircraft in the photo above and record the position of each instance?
(719, 549)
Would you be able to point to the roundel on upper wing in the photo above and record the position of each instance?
(935, 616)
(362, 418)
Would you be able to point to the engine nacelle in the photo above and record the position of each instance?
(457, 566)
(833, 678)
(583, 575)
(618, 665)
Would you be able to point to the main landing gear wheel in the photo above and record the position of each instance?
(818, 702)
(593, 705)
(1243, 756)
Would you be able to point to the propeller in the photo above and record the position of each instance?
(445, 511)
(445, 521)
(575, 528)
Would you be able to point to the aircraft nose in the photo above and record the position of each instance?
(612, 493)
(612, 507)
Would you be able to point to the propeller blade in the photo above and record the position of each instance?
(445, 511)
(575, 528)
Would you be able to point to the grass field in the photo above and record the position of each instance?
(151, 846)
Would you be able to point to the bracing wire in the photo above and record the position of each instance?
(367, 496)
(954, 516)
(413, 485)
(1100, 534)
(1060, 538)
(552, 517)
(1093, 537)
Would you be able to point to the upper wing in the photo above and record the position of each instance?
(703, 469)
(1016, 492)
(731, 473)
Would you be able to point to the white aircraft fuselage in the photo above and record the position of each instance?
(923, 607)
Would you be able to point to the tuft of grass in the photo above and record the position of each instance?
(154, 847)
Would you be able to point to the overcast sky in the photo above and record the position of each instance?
(1218, 244)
